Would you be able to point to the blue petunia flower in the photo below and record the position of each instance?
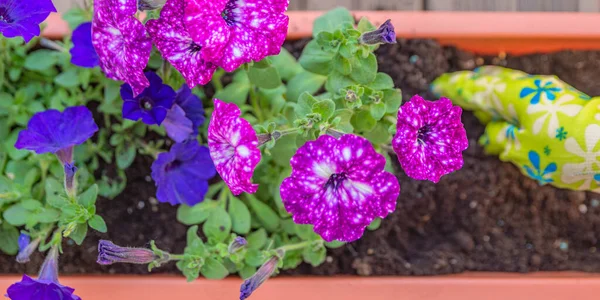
(23, 17)
(83, 53)
(46, 286)
(536, 172)
(181, 175)
(186, 115)
(51, 131)
(152, 104)
(547, 89)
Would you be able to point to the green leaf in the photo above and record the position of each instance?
(48, 215)
(16, 215)
(342, 65)
(379, 134)
(393, 100)
(286, 64)
(267, 217)
(189, 269)
(304, 82)
(125, 155)
(365, 25)
(344, 115)
(40, 60)
(78, 235)
(315, 257)
(9, 237)
(305, 105)
(257, 239)
(218, 225)
(334, 244)
(266, 77)
(374, 224)
(195, 214)
(255, 257)
(240, 216)
(213, 269)
(364, 70)
(337, 81)
(55, 193)
(195, 245)
(88, 198)
(247, 272)
(306, 232)
(97, 223)
(325, 108)
(9, 145)
(237, 91)
(76, 16)
(382, 82)
(31, 204)
(316, 60)
(362, 121)
(377, 110)
(68, 79)
(332, 20)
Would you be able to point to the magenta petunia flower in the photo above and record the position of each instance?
(430, 138)
(233, 147)
(339, 186)
(23, 17)
(121, 42)
(234, 32)
(172, 39)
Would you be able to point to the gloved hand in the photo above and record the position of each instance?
(550, 130)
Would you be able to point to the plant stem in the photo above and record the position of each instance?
(150, 150)
(295, 246)
(255, 106)
(176, 256)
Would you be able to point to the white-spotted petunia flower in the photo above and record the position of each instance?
(121, 42)
(173, 40)
(339, 186)
(234, 32)
(233, 146)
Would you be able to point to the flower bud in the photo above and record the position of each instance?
(264, 272)
(70, 182)
(109, 253)
(26, 248)
(237, 244)
(385, 34)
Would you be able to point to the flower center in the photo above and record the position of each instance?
(4, 16)
(423, 133)
(194, 48)
(228, 14)
(173, 165)
(335, 180)
(146, 103)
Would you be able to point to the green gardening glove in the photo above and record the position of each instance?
(547, 128)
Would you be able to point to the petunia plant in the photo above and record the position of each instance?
(273, 158)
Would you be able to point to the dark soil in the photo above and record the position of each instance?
(485, 217)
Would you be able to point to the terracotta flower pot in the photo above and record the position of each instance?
(486, 33)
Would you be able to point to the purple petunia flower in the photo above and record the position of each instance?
(234, 32)
(430, 138)
(83, 53)
(186, 115)
(46, 287)
(109, 253)
(233, 147)
(152, 104)
(385, 34)
(181, 175)
(121, 43)
(264, 272)
(339, 186)
(172, 39)
(51, 131)
(23, 17)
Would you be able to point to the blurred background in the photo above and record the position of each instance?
(448, 5)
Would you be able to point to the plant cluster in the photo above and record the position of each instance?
(302, 147)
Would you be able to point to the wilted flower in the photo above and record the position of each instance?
(83, 53)
(233, 147)
(264, 272)
(70, 182)
(172, 39)
(46, 287)
(339, 186)
(109, 253)
(121, 42)
(182, 174)
(186, 115)
(430, 138)
(51, 131)
(26, 247)
(385, 34)
(151, 105)
(23, 17)
(237, 244)
(234, 32)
